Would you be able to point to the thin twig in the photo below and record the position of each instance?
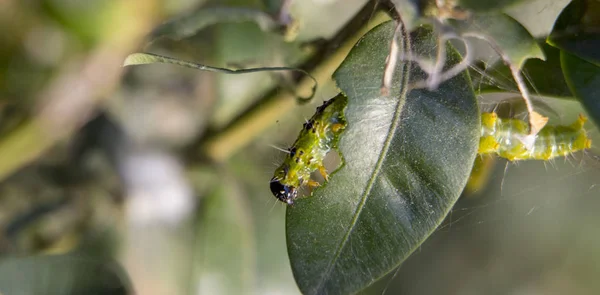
(536, 121)
(434, 78)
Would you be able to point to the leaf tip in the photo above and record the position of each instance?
(134, 59)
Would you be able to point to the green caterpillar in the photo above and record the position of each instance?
(510, 139)
(318, 136)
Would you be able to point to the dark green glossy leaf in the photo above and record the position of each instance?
(61, 275)
(577, 30)
(543, 78)
(486, 5)
(506, 35)
(226, 255)
(192, 23)
(583, 78)
(407, 158)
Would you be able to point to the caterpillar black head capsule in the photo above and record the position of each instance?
(283, 193)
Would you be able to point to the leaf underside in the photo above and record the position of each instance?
(407, 158)
(544, 77)
(192, 23)
(506, 35)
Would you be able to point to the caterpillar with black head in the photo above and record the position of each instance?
(510, 139)
(318, 136)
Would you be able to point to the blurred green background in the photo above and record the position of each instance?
(107, 189)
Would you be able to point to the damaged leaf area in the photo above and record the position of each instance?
(406, 159)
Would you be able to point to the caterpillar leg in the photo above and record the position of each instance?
(480, 174)
(323, 172)
(518, 152)
(312, 184)
(337, 127)
(489, 120)
(488, 145)
(582, 142)
(579, 123)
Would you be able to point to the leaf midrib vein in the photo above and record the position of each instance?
(378, 165)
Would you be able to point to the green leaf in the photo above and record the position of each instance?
(544, 78)
(506, 35)
(583, 78)
(192, 23)
(486, 5)
(149, 58)
(226, 254)
(406, 160)
(577, 30)
(62, 274)
(273, 269)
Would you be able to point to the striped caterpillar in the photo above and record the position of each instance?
(318, 136)
(510, 139)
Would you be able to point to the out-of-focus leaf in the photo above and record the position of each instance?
(577, 30)
(507, 36)
(192, 23)
(407, 158)
(411, 12)
(226, 248)
(62, 274)
(273, 5)
(272, 263)
(583, 78)
(149, 58)
(87, 20)
(486, 5)
(543, 78)
(480, 175)
(54, 122)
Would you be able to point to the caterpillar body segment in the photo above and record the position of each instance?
(511, 139)
(318, 136)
